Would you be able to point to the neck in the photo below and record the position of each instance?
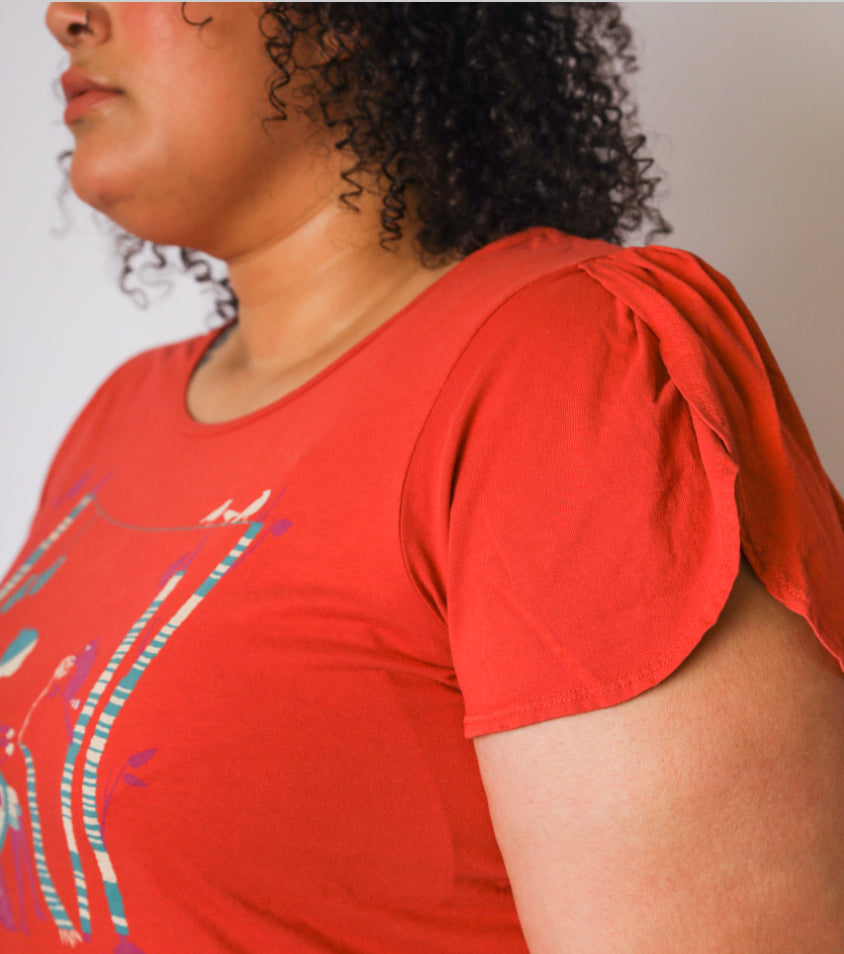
(319, 283)
(307, 294)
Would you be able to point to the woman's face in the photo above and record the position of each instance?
(180, 156)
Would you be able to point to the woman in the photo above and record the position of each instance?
(511, 483)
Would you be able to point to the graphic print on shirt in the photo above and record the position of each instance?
(87, 726)
(14, 742)
(12, 822)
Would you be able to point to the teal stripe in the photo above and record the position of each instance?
(7, 808)
(57, 909)
(43, 547)
(120, 694)
(78, 738)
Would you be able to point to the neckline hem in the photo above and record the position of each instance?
(198, 428)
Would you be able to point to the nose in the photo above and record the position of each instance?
(73, 24)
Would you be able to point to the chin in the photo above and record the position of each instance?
(95, 182)
(149, 220)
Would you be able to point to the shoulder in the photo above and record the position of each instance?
(549, 299)
(601, 329)
(610, 437)
(563, 468)
(164, 361)
(140, 386)
(587, 324)
(150, 375)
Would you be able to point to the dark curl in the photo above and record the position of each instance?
(494, 117)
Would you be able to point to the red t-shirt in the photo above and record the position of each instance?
(241, 662)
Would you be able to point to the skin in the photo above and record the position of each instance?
(181, 158)
(703, 816)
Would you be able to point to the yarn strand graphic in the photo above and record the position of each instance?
(118, 698)
(23, 570)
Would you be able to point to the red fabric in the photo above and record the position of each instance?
(255, 649)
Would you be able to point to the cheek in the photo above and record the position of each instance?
(176, 63)
(138, 23)
(146, 25)
(159, 50)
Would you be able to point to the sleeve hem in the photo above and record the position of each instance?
(639, 680)
(620, 690)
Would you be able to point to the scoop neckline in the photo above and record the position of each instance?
(206, 343)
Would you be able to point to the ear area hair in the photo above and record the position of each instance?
(320, 44)
(338, 45)
(341, 30)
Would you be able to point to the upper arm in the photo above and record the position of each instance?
(705, 815)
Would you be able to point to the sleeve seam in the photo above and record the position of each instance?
(573, 268)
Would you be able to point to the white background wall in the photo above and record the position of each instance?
(744, 105)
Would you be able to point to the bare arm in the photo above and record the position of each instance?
(705, 816)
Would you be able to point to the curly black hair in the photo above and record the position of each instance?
(495, 116)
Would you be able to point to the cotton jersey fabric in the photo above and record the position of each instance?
(242, 662)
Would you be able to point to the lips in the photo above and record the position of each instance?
(75, 83)
(82, 92)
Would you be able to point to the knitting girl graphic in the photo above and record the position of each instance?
(91, 703)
